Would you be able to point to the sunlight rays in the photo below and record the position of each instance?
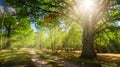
(88, 5)
(82, 8)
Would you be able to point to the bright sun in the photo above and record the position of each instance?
(88, 4)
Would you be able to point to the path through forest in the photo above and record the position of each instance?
(39, 62)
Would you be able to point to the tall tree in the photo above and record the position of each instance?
(22, 34)
(9, 21)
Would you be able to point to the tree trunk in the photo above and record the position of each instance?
(8, 43)
(88, 40)
(88, 47)
(53, 47)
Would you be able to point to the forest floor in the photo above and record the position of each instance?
(52, 61)
(109, 57)
(37, 61)
(35, 58)
(15, 58)
(48, 60)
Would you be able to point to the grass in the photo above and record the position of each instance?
(46, 58)
(83, 61)
(49, 60)
(72, 58)
(101, 60)
(15, 59)
(109, 58)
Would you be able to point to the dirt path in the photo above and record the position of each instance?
(37, 61)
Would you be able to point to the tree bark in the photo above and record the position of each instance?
(8, 43)
(88, 40)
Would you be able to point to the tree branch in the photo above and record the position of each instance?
(110, 20)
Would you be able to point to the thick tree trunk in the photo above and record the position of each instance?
(88, 46)
(88, 40)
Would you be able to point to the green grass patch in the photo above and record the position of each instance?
(84, 61)
(49, 60)
(46, 58)
(15, 59)
(55, 54)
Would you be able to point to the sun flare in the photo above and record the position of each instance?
(88, 4)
